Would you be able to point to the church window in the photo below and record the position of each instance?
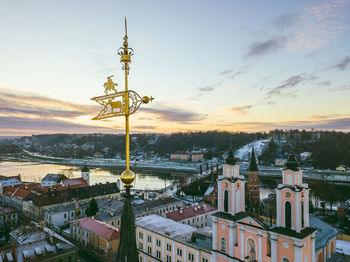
(288, 214)
(226, 201)
(302, 213)
(223, 245)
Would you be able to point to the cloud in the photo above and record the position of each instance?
(261, 48)
(44, 125)
(239, 110)
(205, 89)
(231, 74)
(174, 114)
(342, 124)
(145, 127)
(341, 88)
(29, 104)
(319, 24)
(285, 86)
(287, 20)
(325, 83)
(342, 64)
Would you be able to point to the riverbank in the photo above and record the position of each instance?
(148, 165)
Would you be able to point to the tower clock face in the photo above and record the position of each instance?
(287, 194)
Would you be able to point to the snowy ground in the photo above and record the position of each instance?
(259, 146)
(342, 247)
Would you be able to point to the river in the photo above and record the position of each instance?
(151, 180)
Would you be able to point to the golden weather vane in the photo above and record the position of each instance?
(123, 103)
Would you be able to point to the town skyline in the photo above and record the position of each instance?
(230, 66)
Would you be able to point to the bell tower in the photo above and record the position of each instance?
(292, 198)
(231, 188)
(253, 200)
(85, 173)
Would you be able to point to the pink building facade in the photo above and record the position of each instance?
(237, 236)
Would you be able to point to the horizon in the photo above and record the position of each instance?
(233, 67)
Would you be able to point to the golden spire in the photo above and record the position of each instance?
(122, 103)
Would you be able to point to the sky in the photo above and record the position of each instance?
(211, 65)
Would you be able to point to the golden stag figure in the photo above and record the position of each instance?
(110, 85)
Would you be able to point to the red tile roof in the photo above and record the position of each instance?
(74, 182)
(188, 212)
(100, 228)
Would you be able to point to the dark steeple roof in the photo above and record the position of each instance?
(85, 169)
(231, 160)
(252, 164)
(127, 250)
(292, 163)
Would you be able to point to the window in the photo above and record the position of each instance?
(140, 245)
(204, 260)
(226, 201)
(223, 245)
(158, 243)
(149, 250)
(65, 215)
(168, 247)
(149, 238)
(288, 214)
(190, 257)
(158, 254)
(285, 259)
(179, 252)
(302, 213)
(168, 258)
(141, 235)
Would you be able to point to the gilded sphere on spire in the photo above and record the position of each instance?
(127, 177)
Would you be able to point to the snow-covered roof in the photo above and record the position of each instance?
(165, 226)
(324, 232)
(209, 191)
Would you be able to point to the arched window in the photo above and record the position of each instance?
(285, 259)
(226, 201)
(302, 213)
(223, 245)
(288, 214)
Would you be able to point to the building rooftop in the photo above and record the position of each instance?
(34, 242)
(165, 226)
(324, 231)
(54, 178)
(189, 212)
(97, 227)
(74, 182)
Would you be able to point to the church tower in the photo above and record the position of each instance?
(292, 239)
(85, 174)
(253, 200)
(231, 188)
(292, 197)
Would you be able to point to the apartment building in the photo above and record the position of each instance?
(98, 237)
(162, 239)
